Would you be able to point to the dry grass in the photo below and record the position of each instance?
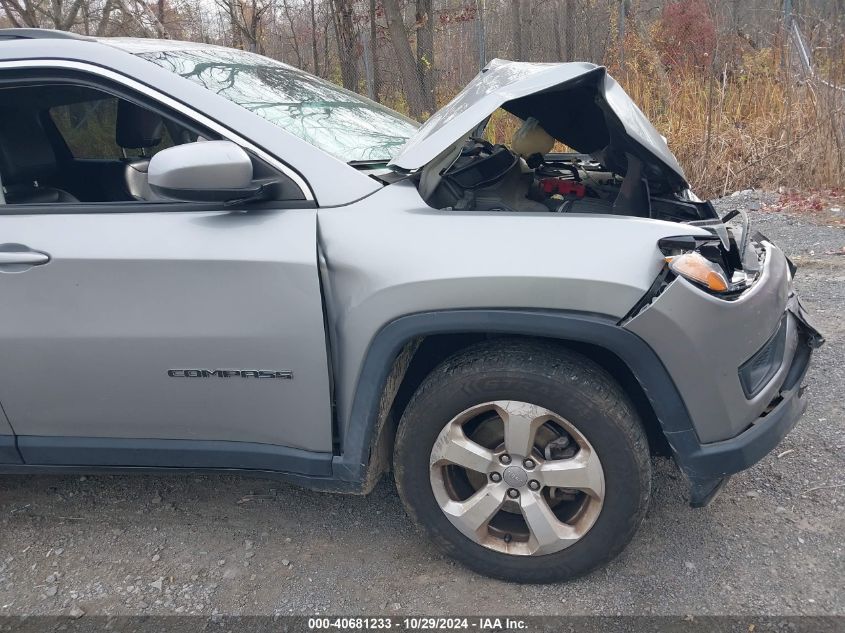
(756, 129)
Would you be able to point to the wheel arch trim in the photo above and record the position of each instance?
(362, 427)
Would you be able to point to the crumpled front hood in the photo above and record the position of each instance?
(577, 103)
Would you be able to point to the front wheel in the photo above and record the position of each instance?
(524, 461)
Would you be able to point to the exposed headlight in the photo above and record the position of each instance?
(698, 269)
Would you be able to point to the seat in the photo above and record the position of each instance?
(137, 128)
(27, 159)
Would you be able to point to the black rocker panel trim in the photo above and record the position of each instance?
(158, 453)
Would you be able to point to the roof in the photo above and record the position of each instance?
(42, 34)
(132, 45)
(136, 45)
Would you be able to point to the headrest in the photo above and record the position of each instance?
(25, 151)
(137, 126)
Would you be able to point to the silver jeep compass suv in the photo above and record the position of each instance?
(212, 260)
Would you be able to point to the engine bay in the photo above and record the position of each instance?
(525, 176)
(487, 177)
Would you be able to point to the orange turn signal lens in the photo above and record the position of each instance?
(698, 269)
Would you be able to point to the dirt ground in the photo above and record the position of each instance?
(772, 543)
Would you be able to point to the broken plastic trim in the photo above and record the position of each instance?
(746, 237)
(660, 282)
(683, 243)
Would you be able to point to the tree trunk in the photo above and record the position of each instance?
(250, 23)
(374, 45)
(481, 35)
(86, 18)
(557, 9)
(425, 52)
(414, 91)
(234, 24)
(314, 40)
(103, 26)
(347, 42)
(20, 14)
(294, 39)
(571, 32)
(526, 30)
(326, 62)
(516, 24)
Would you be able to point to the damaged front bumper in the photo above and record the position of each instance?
(709, 465)
(738, 366)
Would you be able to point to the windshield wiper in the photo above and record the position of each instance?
(372, 162)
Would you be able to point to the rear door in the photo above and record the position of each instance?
(167, 334)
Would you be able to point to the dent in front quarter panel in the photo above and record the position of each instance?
(390, 255)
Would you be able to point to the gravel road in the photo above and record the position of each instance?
(772, 543)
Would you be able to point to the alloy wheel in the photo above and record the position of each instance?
(517, 478)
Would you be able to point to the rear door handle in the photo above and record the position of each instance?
(15, 257)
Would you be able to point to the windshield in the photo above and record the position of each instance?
(342, 123)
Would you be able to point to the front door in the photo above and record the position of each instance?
(89, 339)
(158, 334)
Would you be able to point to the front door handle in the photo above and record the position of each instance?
(17, 257)
(30, 258)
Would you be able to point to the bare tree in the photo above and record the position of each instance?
(374, 44)
(21, 14)
(570, 18)
(347, 42)
(411, 80)
(481, 35)
(293, 39)
(557, 8)
(139, 12)
(83, 15)
(245, 19)
(55, 14)
(313, 15)
(424, 25)
(516, 25)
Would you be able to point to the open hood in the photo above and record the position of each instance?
(577, 103)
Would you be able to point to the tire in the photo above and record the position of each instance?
(601, 421)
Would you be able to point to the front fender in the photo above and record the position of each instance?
(358, 443)
(391, 255)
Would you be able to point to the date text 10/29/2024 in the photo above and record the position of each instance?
(416, 623)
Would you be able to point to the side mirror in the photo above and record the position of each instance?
(206, 171)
